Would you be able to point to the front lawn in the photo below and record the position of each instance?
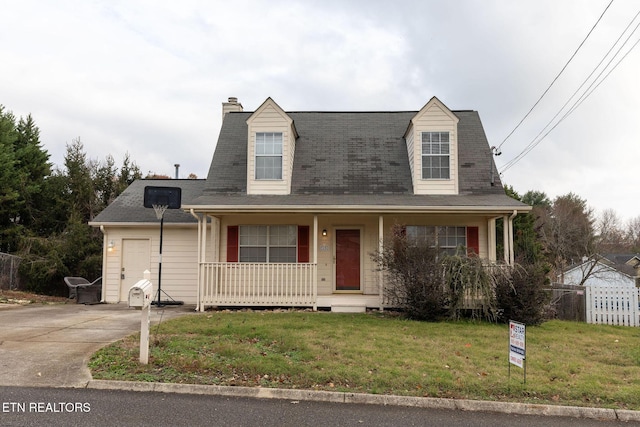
(568, 363)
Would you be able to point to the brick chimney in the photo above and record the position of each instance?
(231, 105)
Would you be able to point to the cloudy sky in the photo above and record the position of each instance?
(148, 77)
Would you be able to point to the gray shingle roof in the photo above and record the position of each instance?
(353, 158)
(128, 206)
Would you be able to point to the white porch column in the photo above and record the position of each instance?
(380, 249)
(215, 239)
(202, 225)
(315, 262)
(511, 254)
(505, 238)
(315, 239)
(491, 238)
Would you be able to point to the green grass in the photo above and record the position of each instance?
(568, 363)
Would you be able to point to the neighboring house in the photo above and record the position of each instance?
(296, 202)
(605, 270)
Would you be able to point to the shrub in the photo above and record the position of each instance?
(523, 295)
(413, 277)
(469, 287)
(427, 285)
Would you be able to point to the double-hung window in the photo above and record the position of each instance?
(446, 238)
(268, 243)
(435, 155)
(268, 155)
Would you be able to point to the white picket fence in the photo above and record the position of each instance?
(613, 305)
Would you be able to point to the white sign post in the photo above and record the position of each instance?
(517, 353)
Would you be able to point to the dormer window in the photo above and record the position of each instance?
(268, 155)
(436, 155)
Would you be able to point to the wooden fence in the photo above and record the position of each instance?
(568, 302)
(613, 305)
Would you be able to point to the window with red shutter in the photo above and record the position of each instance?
(232, 243)
(303, 243)
(473, 241)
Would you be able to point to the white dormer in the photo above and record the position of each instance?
(432, 145)
(272, 140)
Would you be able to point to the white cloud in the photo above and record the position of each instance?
(148, 77)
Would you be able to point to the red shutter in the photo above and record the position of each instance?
(473, 241)
(303, 243)
(232, 243)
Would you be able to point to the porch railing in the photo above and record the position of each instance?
(258, 284)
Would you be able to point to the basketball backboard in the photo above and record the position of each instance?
(163, 196)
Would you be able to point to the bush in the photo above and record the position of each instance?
(413, 277)
(46, 261)
(42, 269)
(523, 295)
(469, 287)
(427, 285)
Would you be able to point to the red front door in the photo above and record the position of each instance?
(347, 260)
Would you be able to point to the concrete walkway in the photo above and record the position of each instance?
(50, 345)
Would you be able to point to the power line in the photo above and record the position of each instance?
(556, 78)
(584, 95)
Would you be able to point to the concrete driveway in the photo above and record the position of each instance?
(50, 345)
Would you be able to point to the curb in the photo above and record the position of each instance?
(371, 399)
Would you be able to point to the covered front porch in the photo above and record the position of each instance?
(338, 273)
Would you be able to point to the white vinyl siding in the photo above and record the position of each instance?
(270, 166)
(264, 243)
(433, 119)
(268, 155)
(179, 261)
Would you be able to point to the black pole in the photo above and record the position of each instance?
(160, 260)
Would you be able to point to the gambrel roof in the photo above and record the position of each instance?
(354, 159)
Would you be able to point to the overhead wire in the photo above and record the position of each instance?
(555, 79)
(590, 89)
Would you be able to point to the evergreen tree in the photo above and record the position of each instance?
(9, 193)
(32, 168)
(527, 248)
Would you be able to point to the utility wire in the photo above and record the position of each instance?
(584, 95)
(556, 78)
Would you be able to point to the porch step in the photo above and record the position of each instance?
(348, 308)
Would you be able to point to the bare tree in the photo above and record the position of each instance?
(567, 231)
(632, 234)
(611, 236)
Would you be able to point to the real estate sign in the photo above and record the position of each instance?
(516, 343)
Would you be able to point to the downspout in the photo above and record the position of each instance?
(511, 254)
(199, 259)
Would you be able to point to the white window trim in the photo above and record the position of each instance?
(436, 236)
(423, 155)
(268, 244)
(280, 155)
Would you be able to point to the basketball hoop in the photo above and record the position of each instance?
(161, 199)
(159, 209)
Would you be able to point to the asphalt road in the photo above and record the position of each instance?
(21, 406)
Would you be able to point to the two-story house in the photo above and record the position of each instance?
(295, 203)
